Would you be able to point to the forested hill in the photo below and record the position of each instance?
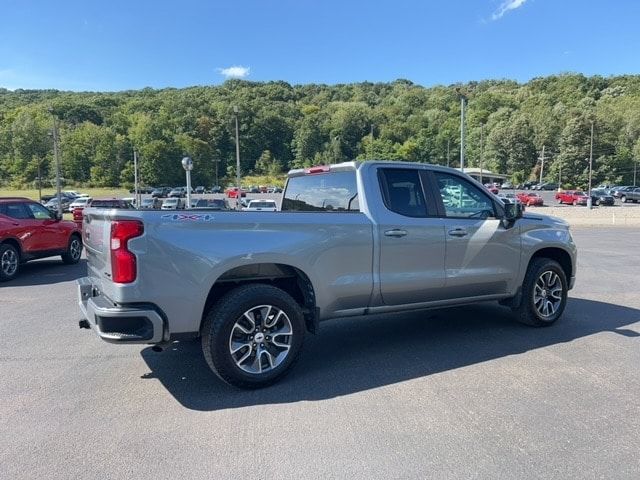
(282, 126)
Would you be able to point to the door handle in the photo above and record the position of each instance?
(458, 232)
(396, 232)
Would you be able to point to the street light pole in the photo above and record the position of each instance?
(463, 102)
(235, 112)
(590, 164)
(371, 144)
(187, 164)
(56, 154)
(135, 177)
(482, 151)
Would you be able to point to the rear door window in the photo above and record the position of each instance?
(16, 210)
(402, 191)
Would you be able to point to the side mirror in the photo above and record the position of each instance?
(57, 215)
(513, 211)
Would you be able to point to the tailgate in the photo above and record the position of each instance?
(96, 229)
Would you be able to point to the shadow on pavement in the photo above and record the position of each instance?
(356, 354)
(47, 272)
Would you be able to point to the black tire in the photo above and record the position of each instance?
(218, 326)
(597, 203)
(74, 250)
(9, 262)
(527, 312)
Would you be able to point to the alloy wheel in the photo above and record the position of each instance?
(260, 339)
(547, 294)
(9, 262)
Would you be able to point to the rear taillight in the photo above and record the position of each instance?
(123, 262)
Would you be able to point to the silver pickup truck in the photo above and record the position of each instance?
(349, 239)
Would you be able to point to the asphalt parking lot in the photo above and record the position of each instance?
(458, 393)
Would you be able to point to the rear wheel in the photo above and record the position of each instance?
(74, 251)
(9, 262)
(575, 203)
(623, 199)
(253, 335)
(544, 293)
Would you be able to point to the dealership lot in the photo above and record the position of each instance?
(456, 393)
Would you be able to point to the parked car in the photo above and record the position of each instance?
(601, 197)
(254, 189)
(530, 199)
(178, 192)
(109, 203)
(79, 202)
(492, 188)
(630, 195)
(617, 192)
(528, 185)
(172, 203)
(507, 186)
(251, 285)
(232, 192)
(28, 231)
(199, 189)
(216, 189)
(53, 203)
(549, 186)
(211, 204)
(151, 203)
(509, 197)
(572, 197)
(261, 206)
(161, 192)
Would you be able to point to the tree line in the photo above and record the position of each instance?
(283, 126)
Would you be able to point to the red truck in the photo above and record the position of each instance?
(232, 192)
(28, 231)
(572, 197)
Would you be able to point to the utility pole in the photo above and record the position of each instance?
(217, 162)
(40, 180)
(56, 154)
(463, 102)
(448, 158)
(481, 151)
(590, 164)
(542, 165)
(635, 167)
(371, 144)
(135, 178)
(235, 112)
(560, 174)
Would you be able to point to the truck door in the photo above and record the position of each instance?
(412, 243)
(483, 257)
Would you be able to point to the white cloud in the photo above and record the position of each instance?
(237, 71)
(506, 6)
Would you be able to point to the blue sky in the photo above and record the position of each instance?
(118, 45)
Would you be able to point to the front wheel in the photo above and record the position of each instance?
(9, 262)
(253, 335)
(623, 199)
(74, 251)
(544, 293)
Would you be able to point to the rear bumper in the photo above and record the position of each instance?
(119, 323)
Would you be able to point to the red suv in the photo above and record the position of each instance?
(574, 197)
(29, 231)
